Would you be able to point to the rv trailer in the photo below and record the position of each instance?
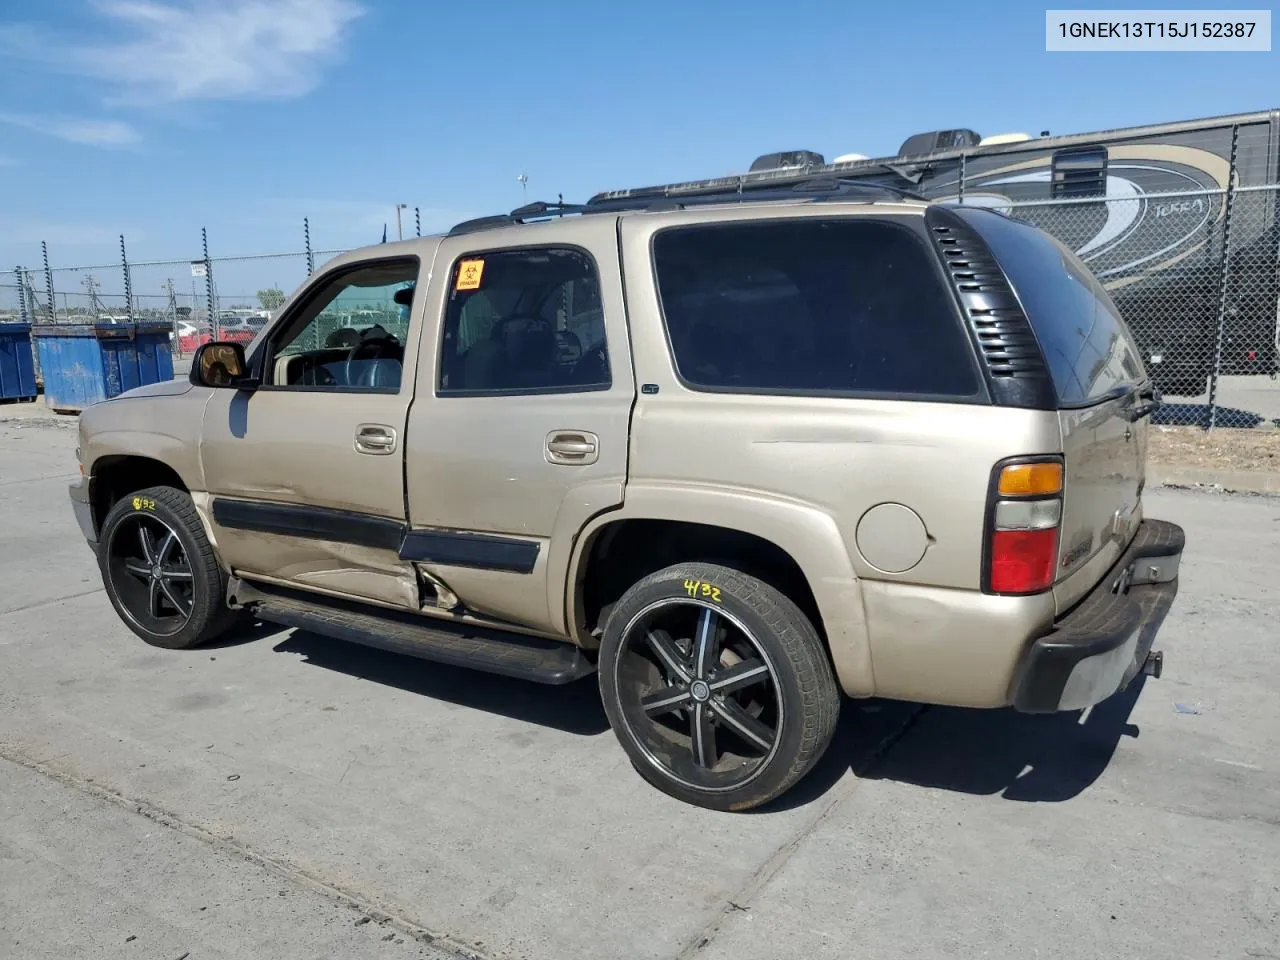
(1145, 207)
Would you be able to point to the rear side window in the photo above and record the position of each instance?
(1089, 348)
(524, 321)
(847, 306)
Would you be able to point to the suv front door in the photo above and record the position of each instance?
(519, 430)
(305, 473)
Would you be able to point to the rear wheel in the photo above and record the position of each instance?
(159, 570)
(716, 685)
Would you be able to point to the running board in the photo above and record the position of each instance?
(463, 645)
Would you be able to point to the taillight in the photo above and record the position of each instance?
(1023, 519)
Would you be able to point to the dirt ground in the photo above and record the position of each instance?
(1223, 448)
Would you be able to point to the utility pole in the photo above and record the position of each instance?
(524, 188)
(91, 285)
(399, 228)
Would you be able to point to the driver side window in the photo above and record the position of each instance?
(349, 334)
(524, 321)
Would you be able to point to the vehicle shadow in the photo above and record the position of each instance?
(1036, 759)
(1197, 414)
(251, 631)
(573, 708)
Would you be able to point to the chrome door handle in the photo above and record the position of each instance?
(375, 439)
(572, 447)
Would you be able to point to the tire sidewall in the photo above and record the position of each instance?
(206, 605)
(775, 776)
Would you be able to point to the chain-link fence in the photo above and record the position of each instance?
(1196, 276)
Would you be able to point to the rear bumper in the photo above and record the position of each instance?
(1102, 644)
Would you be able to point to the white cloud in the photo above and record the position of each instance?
(232, 49)
(96, 133)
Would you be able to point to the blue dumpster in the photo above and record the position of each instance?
(84, 364)
(17, 372)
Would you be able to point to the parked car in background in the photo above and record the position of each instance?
(235, 328)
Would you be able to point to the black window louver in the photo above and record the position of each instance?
(1007, 346)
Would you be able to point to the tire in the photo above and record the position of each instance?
(681, 679)
(181, 603)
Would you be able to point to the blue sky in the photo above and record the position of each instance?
(154, 117)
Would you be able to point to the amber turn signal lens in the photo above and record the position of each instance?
(1030, 479)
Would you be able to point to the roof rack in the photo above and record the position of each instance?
(742, 189)
(762, 179)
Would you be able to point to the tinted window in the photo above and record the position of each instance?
(850, 306)
(524, 321)
(1087, 345)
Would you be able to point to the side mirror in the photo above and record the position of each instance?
(221, 365)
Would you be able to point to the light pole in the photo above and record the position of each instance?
(399, 230)
(524, 187)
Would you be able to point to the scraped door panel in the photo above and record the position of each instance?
(305, 475)
(293, 500)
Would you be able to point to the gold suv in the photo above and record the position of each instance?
(739, 452)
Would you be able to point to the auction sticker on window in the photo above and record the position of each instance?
(1157, 30)
(469, 274)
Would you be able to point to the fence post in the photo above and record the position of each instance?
(22, 294)
(128, 282)
(306, 236)
(208, 281)
(48, 282)
(1223, 276)
(417, 222)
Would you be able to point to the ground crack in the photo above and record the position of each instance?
(302, 878)
(770, 868)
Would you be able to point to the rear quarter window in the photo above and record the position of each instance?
(848, 306)
(1088, 347)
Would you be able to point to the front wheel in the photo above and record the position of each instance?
(716, 685)
(159, 570)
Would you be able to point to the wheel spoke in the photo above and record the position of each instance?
(166, 548)
(703, 736)
(176, 573)
(704, 647)
(660, 643)
(180, 606)
(153, 599)
(666, 700)
(744, 724)
(138, 570)
(148, 544)
(740, 675)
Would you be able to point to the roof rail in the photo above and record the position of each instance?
(541, 209)
(818, 188)
(530, 211)
(746, 188)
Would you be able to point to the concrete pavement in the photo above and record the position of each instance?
(502, 819)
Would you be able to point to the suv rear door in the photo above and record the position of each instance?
(519, 427)
(1103, 396)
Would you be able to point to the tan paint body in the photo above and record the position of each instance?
(797, 471)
